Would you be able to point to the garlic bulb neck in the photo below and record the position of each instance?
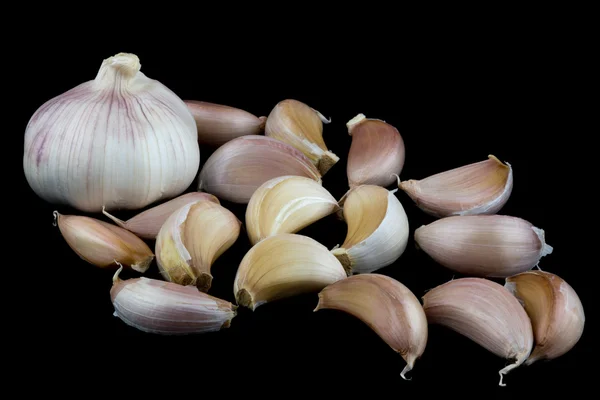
(121, 69)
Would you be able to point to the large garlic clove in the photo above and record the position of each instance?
(486, 313)
(217, 124)
(555, 311)
(376, 153)
(236, 169)
(301, 126)
(479, 188)
(192, 239)
(283, 266)
(483, 245)
(386, 306)
(166, 308)
(287, 204)
(378, 229)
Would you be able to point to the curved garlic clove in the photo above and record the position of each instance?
(386, 306)
(486, 313)
(555, 311)
(378, 229)
(192, 239)
(483, 245)
(102, 244)
(286, 204)
(283, 266)
(301, 126)
(236, 169)
(217, 124)
(376, 153)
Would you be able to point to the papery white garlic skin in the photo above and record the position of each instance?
(121, 140)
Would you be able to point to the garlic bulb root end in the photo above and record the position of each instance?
(327, 161)
(244, 299)
(354, 121)
(342, 255)
(204, 282)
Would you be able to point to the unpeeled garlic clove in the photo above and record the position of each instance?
(483, 245)
(555, 311)
(102, 244)
(236, 169)
(301, 126)
(485, 312)
(378, 229)
(386, 306)
(376, 153)
(192, 239)
(283, 266)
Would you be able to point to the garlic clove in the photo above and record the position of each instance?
(148, 223)
(486, 313)
(286, 204)
(479, 188)
(378, 229)
(301, 126)
(236, 169)
(386, 306)
(102, 244)
(166, 308)
(217, 124)
(283, 266)
(376, 153)
(483, 245)
(555, 311)
(192, 239)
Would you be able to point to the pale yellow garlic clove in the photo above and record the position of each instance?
(236, 169)
(192, 239)
(287, 204)
(378, 229)
(148, 223)
(386, 306)
(483, 245)
(555, 311)
(486, 313)
(283, 266)
(301, 126)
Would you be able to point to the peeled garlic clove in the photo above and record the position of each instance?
(236, 169)
(192, 239)
(485, 312)
(217, 124)
(286, 204)
(301, 126)
(386, 306)
(378, 229)
(102, 244)
(376, 153)
(555, 311)
(283, 266)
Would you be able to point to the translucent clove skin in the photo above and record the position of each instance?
(555, 311)
(495, 246)
(386, 306)
(481, 188)
(102, 244)
(486, 313)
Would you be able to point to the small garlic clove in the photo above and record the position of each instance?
(301, 126)
(283, 266)
(475, 189)
(192, 239)
(495, 246)
(286, 204)
(555, 311)
(376, 153)
(486, 313)
(102, 244)
(166, 308)
(378, 229)
(148, 223)
(236, 169)
(386, 306)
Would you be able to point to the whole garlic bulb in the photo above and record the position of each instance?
(121, 140)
